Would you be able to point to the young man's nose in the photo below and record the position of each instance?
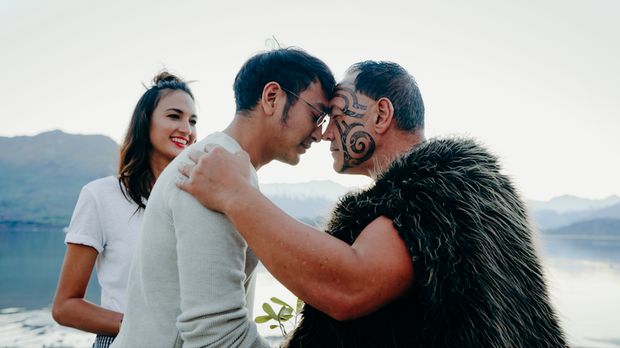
(329, 134)
(317, 134)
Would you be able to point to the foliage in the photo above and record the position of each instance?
(283, 315)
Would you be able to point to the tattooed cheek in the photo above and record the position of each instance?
(357, 145)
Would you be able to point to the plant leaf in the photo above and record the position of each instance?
(273, 326)
(300, 305)
(285, 317)
(267, 308)
(280, 302)
(285, 313)
(262, 319)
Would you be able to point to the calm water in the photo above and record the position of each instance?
(584, 277)
(30, 263)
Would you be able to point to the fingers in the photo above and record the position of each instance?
(183, 185)
(210, 147)
(195, 155)
(185, 169)
(244, 155)
(183, 181)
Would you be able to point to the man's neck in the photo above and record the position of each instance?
(248, 134)
(394, 148)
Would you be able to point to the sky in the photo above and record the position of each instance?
(537, 82)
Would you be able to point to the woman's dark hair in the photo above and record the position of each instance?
(135, 175)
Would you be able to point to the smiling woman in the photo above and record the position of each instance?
(106, 221)
(173, 127)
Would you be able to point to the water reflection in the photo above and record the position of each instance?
(583, 274)
(586, 295)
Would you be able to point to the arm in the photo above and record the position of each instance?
(69, 307)
(342, 281)
(211, 266)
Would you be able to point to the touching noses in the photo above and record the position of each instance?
(328, 135)
(317, 134)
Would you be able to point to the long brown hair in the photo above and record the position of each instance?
(135, 175)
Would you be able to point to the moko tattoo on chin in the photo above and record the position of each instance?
(352, 106)
(357, 144)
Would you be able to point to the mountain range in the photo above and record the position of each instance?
(41, 177)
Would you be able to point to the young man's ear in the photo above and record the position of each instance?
(269, 98)
(385, 114)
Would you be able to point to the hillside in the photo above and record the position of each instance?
(549, 219)
(592, 228)
(568, 203)
(41, 176)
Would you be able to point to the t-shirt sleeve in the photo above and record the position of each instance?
(85, 227)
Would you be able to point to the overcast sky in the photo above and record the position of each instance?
(538, 82)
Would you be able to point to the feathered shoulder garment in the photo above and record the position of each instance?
(477, 279)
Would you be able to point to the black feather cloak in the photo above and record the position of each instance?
(477, 279)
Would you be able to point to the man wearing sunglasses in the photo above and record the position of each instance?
(437, 253)
(191, 282)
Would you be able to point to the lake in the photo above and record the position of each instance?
(583, 273)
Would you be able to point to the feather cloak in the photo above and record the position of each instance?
(477, 279)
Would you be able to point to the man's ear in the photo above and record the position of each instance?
(269, 98)
(385, 115)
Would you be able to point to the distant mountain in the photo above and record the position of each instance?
(41, 176)
(548, 219)
(312, 201)
(323, 189)
(603, 227)
(308, 208)
(568, 203)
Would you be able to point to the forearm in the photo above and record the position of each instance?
(318, 268)
(86, 316)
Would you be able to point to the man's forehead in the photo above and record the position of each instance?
(343, 91)
(316, 96)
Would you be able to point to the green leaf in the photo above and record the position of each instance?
(285, 317)
(280, 302)
(267, 308)
(285, 313)
(262, 319)
(299, 306)
(273, 326)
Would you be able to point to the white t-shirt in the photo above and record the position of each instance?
(107, 221)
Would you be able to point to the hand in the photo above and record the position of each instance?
(216, 178)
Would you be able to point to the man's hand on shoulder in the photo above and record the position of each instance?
(216, 177)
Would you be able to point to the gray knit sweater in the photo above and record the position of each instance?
(191, 281)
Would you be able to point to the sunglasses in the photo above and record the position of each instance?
(322, 114)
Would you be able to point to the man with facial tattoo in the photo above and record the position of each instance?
(438, 252)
